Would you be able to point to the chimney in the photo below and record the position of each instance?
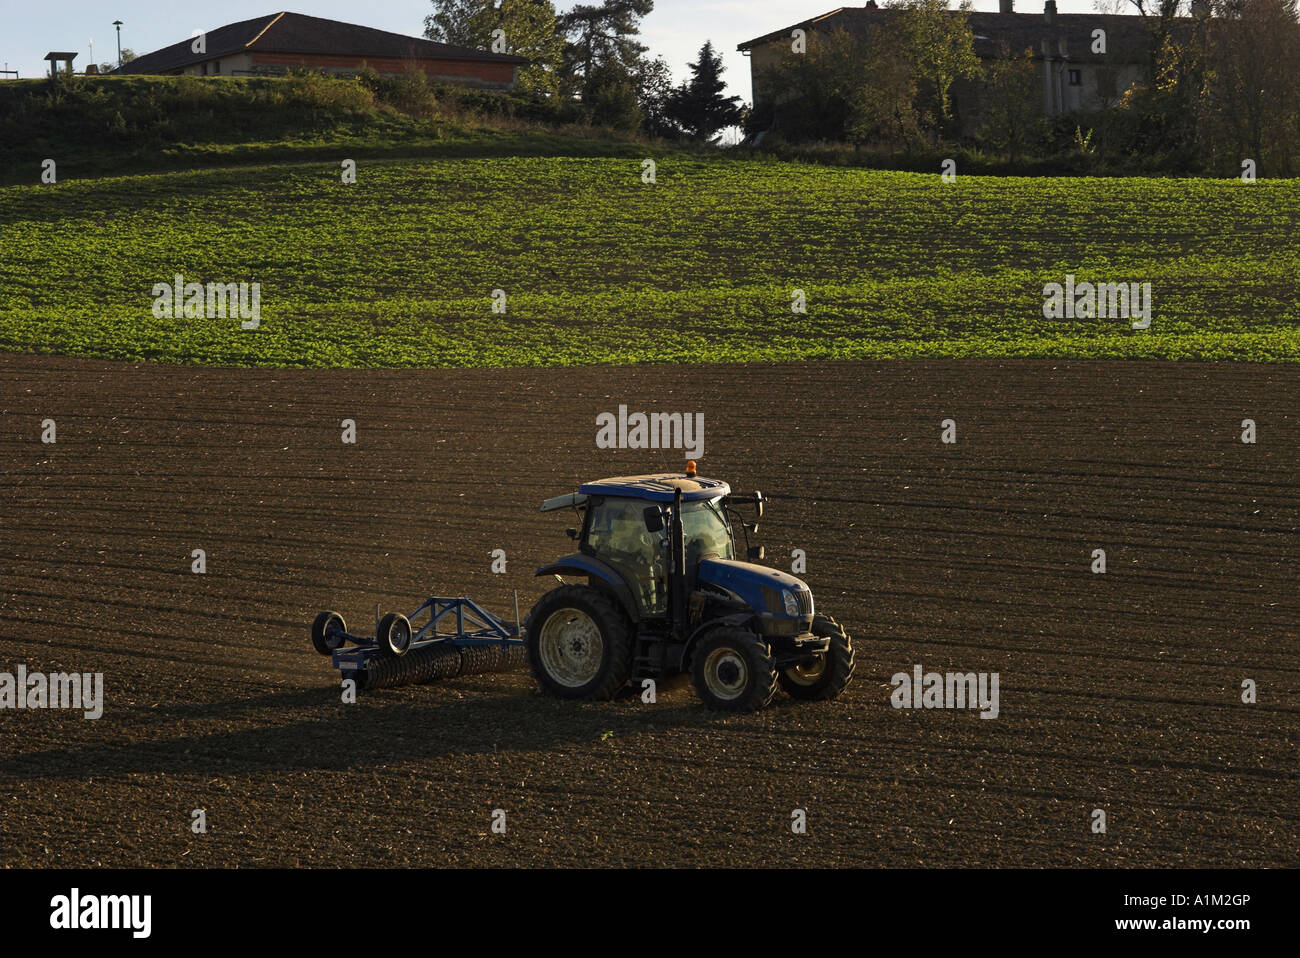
(1004, 6)
(1049, 12)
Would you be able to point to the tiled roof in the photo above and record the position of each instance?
(298, 33)
(1128, 38)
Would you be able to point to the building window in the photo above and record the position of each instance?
(1075, 78)
(216, 66)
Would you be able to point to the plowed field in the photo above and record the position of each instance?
(1119, 692)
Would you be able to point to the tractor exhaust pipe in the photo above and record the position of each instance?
(677, 568)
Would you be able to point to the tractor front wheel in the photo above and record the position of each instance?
(828, 673)
(732, 671)
(579, 644)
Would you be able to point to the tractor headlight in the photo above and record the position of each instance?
(791, 602)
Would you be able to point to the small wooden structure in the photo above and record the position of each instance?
(56, 57)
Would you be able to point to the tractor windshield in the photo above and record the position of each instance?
(705, 529)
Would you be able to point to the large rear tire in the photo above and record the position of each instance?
(829, 673)
(579, 644)
(732, 671)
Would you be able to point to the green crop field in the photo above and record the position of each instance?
(399, 268)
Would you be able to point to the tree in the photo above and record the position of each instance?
(654, 89)
(528, 29)
(127, 56)
(1250, 102)
(882, 109)
(889, 83)
(812, 93)
(847, 85)
(453, 21)
(698, 105)
(1011, 118)
(611, 97)
(942, 47)
(1164, 9)
(603, 35)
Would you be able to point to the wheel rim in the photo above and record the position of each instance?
(808, 673)
(333, 626)
(401, 636)
(571, 647)
(726, 673)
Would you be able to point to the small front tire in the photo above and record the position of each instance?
(829, 673)
(732, 671)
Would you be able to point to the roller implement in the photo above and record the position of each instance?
(654, 589)
(458, 638)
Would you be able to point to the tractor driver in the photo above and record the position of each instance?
(626, 544)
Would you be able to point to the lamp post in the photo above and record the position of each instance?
(118, 24)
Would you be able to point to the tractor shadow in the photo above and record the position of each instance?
(311, 729)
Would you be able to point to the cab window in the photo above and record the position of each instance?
(616, 533)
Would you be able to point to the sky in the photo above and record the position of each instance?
(675, 29)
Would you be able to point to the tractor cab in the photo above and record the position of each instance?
(626, 525)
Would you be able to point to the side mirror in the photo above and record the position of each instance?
(654, 518)
(756, 552)
(571, 533)
(758, 504)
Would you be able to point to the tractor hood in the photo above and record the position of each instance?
(760, 586)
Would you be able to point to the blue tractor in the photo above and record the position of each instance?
(665, 593)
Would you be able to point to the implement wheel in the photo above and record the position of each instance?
(579, 645)
(393, 634)
(732, 671)
(828, 673)
(327, 632)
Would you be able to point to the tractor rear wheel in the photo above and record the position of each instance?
(393, 634)
(732, 671)
(829, 672)
(327, 632)
(579, 644)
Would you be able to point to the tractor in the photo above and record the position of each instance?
(665, 594)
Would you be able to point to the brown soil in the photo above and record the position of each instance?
(1119, 691)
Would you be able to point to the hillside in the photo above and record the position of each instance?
(95, 126)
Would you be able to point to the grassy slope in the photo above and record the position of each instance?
(601, 268)
(109, 126)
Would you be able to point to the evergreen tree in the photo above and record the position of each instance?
(698, 105)
(603, 35)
